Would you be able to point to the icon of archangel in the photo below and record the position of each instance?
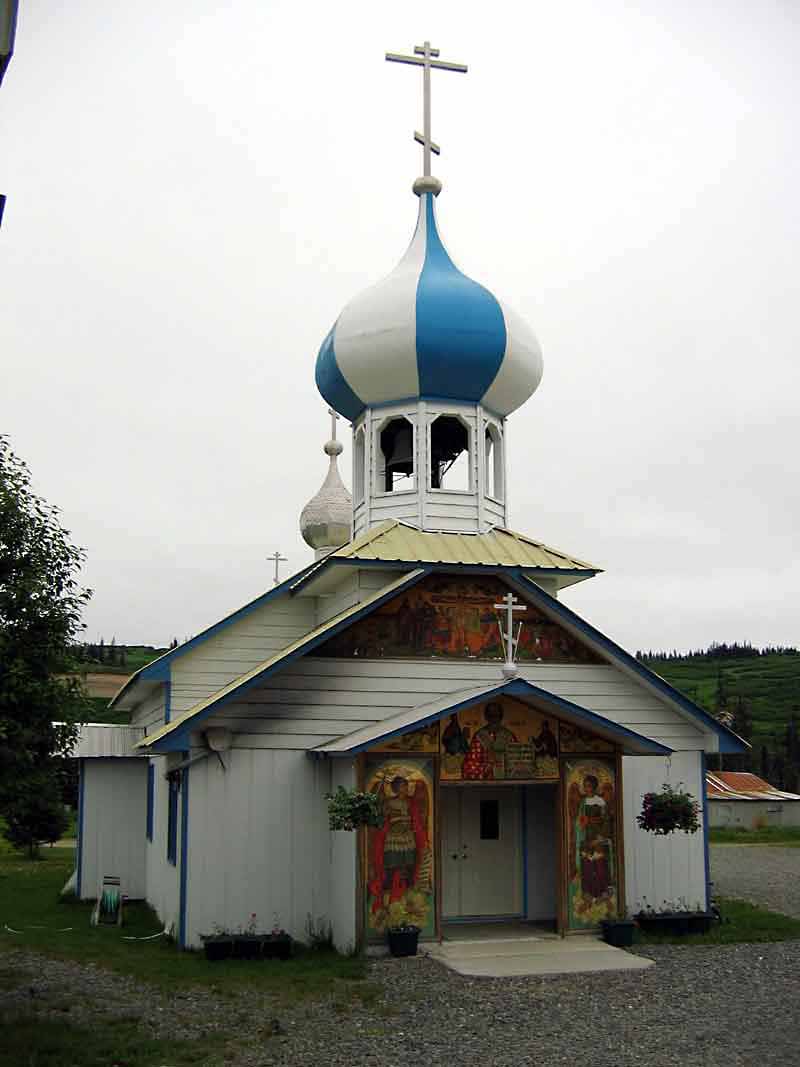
(399, 852)
(591, 859)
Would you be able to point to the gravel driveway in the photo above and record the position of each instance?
(763, 874)
(726, 1006)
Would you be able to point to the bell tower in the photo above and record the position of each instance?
(427, 364)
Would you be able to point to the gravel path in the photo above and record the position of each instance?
(763, 874)
(722, 1006)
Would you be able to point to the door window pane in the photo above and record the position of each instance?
(490, 820)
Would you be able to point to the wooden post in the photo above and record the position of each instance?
(562, 852)
(437, 848)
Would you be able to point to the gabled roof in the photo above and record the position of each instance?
(741, 785)
(632, 744)
(184, 722)
(398, 541)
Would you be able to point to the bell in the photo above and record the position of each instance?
(397, 444)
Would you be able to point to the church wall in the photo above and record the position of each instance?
(238, 648)
(258, 843)
(150, 712)
(113, 825)
(315, 700)
(343, 869)
(662, 868)
(344, 596)
(541, 831)
(162, 877)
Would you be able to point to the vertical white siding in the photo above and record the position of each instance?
(113, 825)
(258, 842)
(657, 868)
(343, 869)
(542, 851)
(162, 877)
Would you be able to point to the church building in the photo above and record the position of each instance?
(424, 654)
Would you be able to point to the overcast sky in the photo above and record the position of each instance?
(195, 189)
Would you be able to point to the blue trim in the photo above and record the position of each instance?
(461, 331)
(518, 687)
(168, 697)
(524, 821)
(81, 809)
(332, 383)
(180, 739)
(465, 920)
(151, 786)
(728, 740)
(705, 829)
(184, 855)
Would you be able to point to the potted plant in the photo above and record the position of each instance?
(677, 919)
(348, 809)
(669, 811)
(218, 945)
(277, 944)
(401, 933)
(618, 932)
(247, 942)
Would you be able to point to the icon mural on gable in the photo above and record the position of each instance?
(426, 739)
(500, 740)
(575, 739)
(453, 618)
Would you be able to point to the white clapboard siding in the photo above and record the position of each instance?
(163, 878)
(150, 712)
(259, 843)
(112, 825)
(662, 868)
(239, 647)
(315, 700)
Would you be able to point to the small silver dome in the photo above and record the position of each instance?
(326, 521)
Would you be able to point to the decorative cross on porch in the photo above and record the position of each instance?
(278, 559)
(509, 641)
(427, 61)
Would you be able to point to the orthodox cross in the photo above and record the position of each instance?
(509, 641)
(334, 420)
(426, 57)
(278, 559)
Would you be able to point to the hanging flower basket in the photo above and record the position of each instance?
(348, 809)
(668, 811)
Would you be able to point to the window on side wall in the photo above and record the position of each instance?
(151, 787)
(172, 817)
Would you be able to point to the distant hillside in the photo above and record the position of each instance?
(106, 669)
(758, 689)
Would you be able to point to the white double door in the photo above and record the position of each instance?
(481, 851)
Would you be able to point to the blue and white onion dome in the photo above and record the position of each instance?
(428, 331)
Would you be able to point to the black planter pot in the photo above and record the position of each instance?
(403, 942)
(618, 932)
(700, 922)
(277, 948)
(246, 947)
(218, 948)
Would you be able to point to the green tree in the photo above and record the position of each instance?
(41, 602)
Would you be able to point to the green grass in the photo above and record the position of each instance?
(29, 1041)
(742, 922)
(59, 927)
(770, 835)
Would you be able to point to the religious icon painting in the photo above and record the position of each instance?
(425, 739)
(575, 739)
(591, 841)
(399, 854)
(500, 740)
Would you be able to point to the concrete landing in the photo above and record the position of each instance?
(517, 957)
